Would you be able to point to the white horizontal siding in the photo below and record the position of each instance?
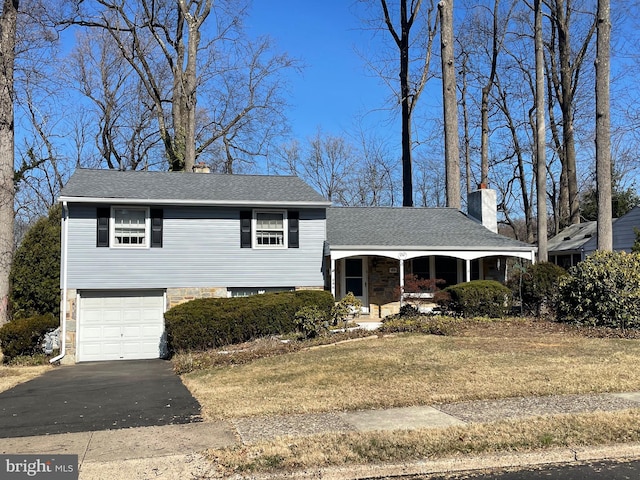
(201, 248)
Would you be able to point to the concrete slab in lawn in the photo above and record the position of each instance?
(633, 396)
(408, 418)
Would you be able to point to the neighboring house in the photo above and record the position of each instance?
(576, 242)
(137, 243)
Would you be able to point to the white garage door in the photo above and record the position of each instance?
(120, 325)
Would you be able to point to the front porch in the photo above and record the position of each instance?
(379, 279)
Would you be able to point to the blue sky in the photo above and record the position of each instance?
(334, 87)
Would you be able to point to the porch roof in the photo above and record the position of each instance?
(429, 229)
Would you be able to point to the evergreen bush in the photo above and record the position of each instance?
(478, 298)
(35, 271)
(24, 336)
(602, 291)
(207, 323)
(540, 286)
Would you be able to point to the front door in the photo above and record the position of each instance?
(355, 280)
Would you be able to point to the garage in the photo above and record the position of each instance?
(120, 325)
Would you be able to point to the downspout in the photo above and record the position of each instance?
(65, 236)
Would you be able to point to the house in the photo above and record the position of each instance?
(137, 243)
(371, 249)
(576, 242)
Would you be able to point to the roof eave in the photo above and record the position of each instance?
(434, 248)
(203, 203)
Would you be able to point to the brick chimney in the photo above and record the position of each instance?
(201, 167)
(482, 205)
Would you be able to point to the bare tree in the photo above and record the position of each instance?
(564, 70)
(122, 114)
(326, 162)
(406, 70)
(603, 127)
(540, 137)
(374, 182)
(450, 104)
(238, 80)
(8, 24)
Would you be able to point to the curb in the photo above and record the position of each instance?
(460, 464)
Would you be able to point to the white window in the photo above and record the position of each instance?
(270, 229)
(130, 227)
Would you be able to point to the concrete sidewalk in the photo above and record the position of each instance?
(171, 451)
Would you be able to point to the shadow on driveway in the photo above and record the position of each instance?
(97, 396)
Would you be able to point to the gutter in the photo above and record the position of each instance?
(65, 236)
(198, 203)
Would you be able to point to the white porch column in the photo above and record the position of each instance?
(401, 257)
(333, 277)
(468, 264)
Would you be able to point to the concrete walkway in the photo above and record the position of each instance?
(171, 451)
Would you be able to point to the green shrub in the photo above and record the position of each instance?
(212, 322)
(539, 286)
(428, 324)
(35, 271)
(311, 321)
(408, 310)
(479, 298)
(24, 336)
(603, 290)
(348, 306)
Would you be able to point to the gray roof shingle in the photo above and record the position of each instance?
(412, 228)
(197, 188)
(573, 237)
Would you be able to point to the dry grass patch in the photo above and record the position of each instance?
(341, 449)
(12, 376)
(495, 361)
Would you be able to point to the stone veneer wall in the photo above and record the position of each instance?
(384, 281)
(176, 296)
(72, 315)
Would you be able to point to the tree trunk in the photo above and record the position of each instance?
(565, 80)
(541, 162)
(407, 162)
(8, 22)
(603, 127)
(451, 140)
(484, 107)
(405, 93)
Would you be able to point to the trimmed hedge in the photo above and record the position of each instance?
(479, 298)
(24, 336)
(212, 322)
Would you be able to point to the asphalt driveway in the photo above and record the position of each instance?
(97, 396)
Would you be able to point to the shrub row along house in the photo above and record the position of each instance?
(137, 243)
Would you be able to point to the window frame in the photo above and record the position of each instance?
(147, 228)
(285, 229)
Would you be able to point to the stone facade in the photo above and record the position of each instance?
(70, 337)
(176, 296)
(384, 286)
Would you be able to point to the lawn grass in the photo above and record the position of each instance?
(401, 446)
(485, 360)
(14, 375)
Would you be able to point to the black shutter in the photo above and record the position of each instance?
(294, 221)
(245, 229)
(102, 216)
(156, 228)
